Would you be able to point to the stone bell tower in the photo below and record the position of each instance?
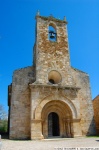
(51, 51)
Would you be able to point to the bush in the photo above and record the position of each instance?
(3, 126)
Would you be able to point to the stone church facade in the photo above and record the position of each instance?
(50, 98)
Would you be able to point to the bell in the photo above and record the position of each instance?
(52, 35)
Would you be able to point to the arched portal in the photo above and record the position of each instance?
(67, 118)
(56, 119)
(53, 124)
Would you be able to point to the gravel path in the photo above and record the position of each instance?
(51, 144)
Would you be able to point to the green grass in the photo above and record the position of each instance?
(91, 136)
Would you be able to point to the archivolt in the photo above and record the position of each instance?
(53, 98)
(58, 107)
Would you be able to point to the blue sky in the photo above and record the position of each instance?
(17, 36)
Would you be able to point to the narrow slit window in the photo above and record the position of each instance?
(52, 34)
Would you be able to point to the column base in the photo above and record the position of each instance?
(36, 130)
(37, 137)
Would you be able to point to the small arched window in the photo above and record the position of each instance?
(52, 34)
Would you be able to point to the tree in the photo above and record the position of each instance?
(3, 114)
(3, 119)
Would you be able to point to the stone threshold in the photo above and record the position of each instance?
(63, 138)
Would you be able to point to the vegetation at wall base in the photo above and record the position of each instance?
(3, 126)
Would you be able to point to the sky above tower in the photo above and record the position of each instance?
(17, 36)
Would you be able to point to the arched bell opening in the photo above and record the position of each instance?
(52, 33)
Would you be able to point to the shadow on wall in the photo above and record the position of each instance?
(92, 129)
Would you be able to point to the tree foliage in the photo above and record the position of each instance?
(3, 114)
(3, 120)
(3, 126)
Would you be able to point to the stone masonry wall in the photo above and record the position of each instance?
(86, 108)
(20, 103)
(96, 112)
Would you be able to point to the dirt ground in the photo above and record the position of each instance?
(85, 143)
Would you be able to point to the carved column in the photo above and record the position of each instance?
(67, 127)
(64, 128)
